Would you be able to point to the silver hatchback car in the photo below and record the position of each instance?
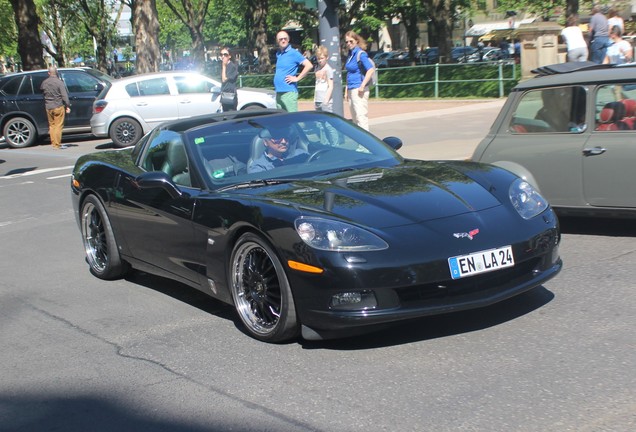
(132, 106)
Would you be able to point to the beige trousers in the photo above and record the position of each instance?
(56, 123)
(359, 106)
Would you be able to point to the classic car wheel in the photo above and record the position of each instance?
(19, 132)
(261, 291)
(125, 132)
(102, 253)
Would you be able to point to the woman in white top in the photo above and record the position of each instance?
(620, 51)
(573, 38)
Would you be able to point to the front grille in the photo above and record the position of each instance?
(470, 286)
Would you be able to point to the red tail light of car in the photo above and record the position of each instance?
(99, 106)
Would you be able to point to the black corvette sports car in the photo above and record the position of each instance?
(309, 225)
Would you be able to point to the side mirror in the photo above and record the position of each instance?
(158, 180)
(394, 142)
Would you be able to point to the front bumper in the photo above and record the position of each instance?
(406, 284)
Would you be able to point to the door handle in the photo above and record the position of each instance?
(595, 151)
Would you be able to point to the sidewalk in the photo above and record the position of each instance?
(383, 111)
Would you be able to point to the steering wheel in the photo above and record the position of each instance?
(315, 155)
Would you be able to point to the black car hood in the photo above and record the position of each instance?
(385, 197)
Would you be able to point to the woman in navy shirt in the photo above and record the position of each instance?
(357, 91)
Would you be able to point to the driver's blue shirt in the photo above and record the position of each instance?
(265, 162)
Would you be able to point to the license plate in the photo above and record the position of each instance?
(481, 262)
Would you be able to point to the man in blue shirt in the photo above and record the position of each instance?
(279, 151)
(286, 77)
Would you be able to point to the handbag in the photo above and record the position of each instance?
(227, 98)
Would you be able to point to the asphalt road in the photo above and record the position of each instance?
(144, 353)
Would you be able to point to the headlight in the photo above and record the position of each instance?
(325, 234)
(526, 200)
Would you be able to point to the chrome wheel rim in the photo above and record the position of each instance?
(257, 290)
(94, 235)
(18, 133)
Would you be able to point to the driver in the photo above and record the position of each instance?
(279, 151)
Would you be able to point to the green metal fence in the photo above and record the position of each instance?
(487, 80)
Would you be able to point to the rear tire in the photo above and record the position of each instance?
(102, 252)
(125, 132)
(261, 292)
(19, 132)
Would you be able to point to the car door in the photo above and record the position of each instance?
(82, 90)
(609, 177)
(194, 95)
(544, 132)
(157, 227)
(31, 100)
(152, 99)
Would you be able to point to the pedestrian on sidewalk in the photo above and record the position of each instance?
(286, 77)
(324, 81)
(599, 35)
(572, 35)
(57, 106)
(229, 75)
(357, 90)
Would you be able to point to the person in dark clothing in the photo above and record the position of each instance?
(229, 75)
(57, 106)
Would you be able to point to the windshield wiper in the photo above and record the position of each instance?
(256, 183)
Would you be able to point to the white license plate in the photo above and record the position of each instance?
(481, 262)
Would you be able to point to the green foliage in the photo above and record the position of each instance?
(8, 32)
(455, 81)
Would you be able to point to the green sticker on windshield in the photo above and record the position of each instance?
(199, 140)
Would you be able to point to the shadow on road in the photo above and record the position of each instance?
(598, 226)
(79, 412)
(386, 335)
(440, 326)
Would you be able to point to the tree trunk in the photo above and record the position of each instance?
(29, 44)
(146, 27)
(442, 20)
(257, 16)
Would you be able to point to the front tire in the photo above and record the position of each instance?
(19, 132)
(102, 253)
(261, 292)
(125, 132)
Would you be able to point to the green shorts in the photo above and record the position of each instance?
(287, 101)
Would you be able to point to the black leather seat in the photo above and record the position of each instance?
(176, 163)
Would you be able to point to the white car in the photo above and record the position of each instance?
(132, 106)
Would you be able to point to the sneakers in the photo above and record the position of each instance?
(63, 146)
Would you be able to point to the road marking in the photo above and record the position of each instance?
(6, 223)
(17, 184)
(35, 172)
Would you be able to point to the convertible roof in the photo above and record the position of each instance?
(568, 67)
(193, 122)
(581, 73)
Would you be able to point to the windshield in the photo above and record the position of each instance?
(285, 146)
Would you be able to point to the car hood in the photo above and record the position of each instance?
(386, 197)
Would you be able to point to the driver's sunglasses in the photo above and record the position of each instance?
(278, 141)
